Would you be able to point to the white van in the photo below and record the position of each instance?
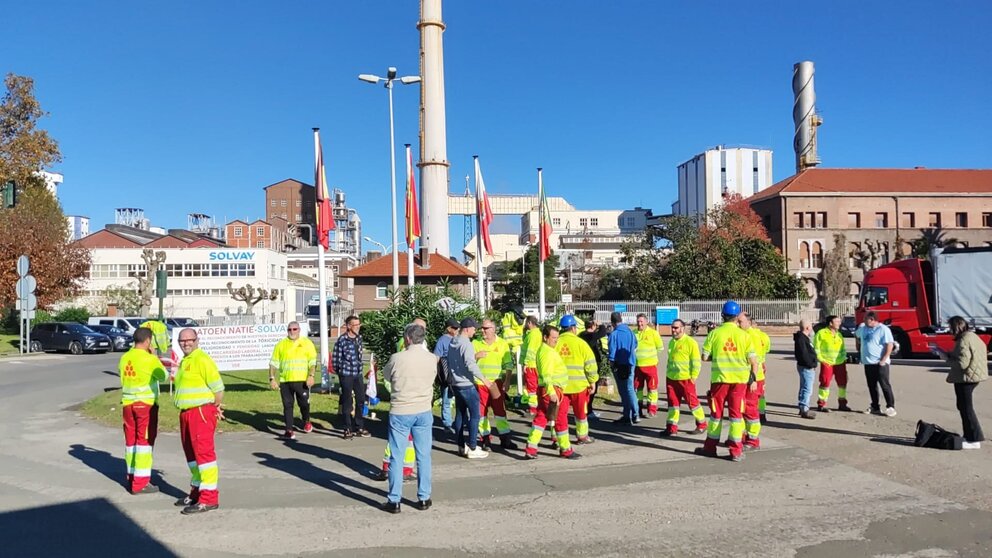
(126, 323)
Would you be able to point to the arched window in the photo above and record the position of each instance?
(804, 255)
(816, 259)
(380, 291)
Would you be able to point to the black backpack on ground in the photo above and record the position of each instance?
(929, 435)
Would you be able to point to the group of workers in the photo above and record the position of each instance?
(561, 364)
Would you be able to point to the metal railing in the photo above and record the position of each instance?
(778, 312)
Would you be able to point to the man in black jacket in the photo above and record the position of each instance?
(806, 362)
(595, 335)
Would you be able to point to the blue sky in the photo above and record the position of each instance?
(181, 107)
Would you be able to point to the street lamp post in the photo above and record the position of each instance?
(389, 79)
(370, 240)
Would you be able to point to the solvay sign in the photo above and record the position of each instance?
(232, 255)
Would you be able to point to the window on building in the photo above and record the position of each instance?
(282, 203)
(298, 203)
(961, 220)
(881, 220)
(259, 231)
(908, 220)
(334, 275)
(555, 222)
(272, 203)
(631, 221)
(297, 217)
(934, 221)
(593, 221)
(723, 171)
(797, 220)
(816, 255)
(583, 222)
(260, 244)
(380, 291)
(238, 231)
(804, 255)
(987, 220)
(854, 220)
(821, 219)
(883, 257)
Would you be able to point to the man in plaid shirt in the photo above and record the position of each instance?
(346, 361)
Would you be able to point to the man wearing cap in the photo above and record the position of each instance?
(441, 352)
(294, 359)
(463, 372)
(734, 372)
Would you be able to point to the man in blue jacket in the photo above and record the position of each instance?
(623, 346)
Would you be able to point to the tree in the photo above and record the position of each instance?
(249, 295)
(36, 226)
(24, 149)
(519, 287)
(931, 238)
(125, 298)
(835, 276)
(146, 283)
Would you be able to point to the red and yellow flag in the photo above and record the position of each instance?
(412, 212)
(325, 218)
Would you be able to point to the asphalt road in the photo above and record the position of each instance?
(846, 484)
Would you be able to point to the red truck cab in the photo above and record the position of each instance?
(903, 294)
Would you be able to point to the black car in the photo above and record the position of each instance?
(121, 340)
(847, 326)
(68, 336)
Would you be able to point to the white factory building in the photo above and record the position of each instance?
(707, 178)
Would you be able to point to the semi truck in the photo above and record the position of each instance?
(916, 297)
(312, 313)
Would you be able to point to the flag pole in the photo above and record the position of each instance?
(321, 271)
(409, 247)
(480, 270)
(540, 248)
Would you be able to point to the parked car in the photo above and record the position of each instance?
(68, 336)
(847, 326)
(181, 322)
(127, 323)
(121, 340)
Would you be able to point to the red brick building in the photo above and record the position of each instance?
(375, 278)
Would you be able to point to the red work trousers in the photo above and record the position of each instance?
(731, 395)
(752, 415)
(140, 431)
(196, 430)
(682, 391)
(530, 386)
(579, 403)
(647, 377)
(827, 373)
(540, 421)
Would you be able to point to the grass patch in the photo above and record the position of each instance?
(249, 405)
(8, 343)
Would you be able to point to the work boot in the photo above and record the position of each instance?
(586, 440)
(668, 432)
(737, 458)
(704, 452)
(381, 475)
(807, 414)
(198, 508)
(185, 502)
(506, 443)
(570, 455)
(485, 442)
(763, 419)
(842, 406)
(148, 489)
(700, 429)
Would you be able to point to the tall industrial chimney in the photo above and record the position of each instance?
(804, 116)
(433, 143)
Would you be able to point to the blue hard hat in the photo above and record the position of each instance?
(731, 308)
(568, 321)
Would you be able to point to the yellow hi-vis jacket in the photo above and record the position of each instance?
(731, 349)
(196, 381)
(512, 330)
(684, 361)
(649, 342)
(580, 362)
(830, 347)
(762, 344)
(293, 359)
(498, 359)
(140, 372)
(551, 369)
(532, 342)
(160, 336)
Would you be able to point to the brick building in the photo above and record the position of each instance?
(373, 279)
(272, 234)
(880, 211)
(291, 200)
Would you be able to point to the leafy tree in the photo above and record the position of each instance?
(126, 298)
(835, 276)
(24, 149)
(520, 286)
(36, 226)
(382, 329)
(931, 238)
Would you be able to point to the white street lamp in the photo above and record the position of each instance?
(370, 240)
(389, 79)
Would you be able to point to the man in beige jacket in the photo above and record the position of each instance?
(411, 373)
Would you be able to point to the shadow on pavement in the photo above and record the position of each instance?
(85, 528)
(113, 468)
(304, 470)
(894, 440)
(356, 464)
(807, 426)
(270, 423)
